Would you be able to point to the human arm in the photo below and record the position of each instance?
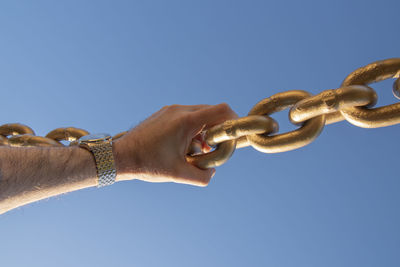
(154, 151)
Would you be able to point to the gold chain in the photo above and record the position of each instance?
(352, 102)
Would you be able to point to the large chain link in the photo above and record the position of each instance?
(352, 102)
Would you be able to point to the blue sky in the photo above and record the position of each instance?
(106, 65)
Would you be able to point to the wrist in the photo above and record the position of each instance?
(85, 166)
(126, 160)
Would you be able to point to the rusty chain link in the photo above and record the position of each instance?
(352, 102)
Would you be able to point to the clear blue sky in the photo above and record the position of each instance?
(107, 65)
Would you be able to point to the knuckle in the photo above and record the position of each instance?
(165, 107)
(224, 107)
(174, 106)
(171, 107)
(226, 111)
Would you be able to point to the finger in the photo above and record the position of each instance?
(213, 115)
(201, 142)
(195, 147)
(209, 117)
(196, 176)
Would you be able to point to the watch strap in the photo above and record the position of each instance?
(105, 164)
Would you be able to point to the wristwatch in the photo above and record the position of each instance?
(101, 147)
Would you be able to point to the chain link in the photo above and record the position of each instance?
(308, 131)
(375, 117)
(352, 102)
(396, 88)
(330, 102)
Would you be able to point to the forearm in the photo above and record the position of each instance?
(31, 174)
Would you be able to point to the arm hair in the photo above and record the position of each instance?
(29, 174)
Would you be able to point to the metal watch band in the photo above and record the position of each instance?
(105, 164)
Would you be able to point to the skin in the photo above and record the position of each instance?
(154, 151)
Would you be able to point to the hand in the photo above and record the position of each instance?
(155, 150)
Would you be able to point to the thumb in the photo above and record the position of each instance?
(196, 176)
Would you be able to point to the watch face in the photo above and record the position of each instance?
(95, 137)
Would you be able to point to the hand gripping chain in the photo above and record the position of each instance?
(352, 102)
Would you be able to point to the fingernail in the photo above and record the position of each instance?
(213, 173)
